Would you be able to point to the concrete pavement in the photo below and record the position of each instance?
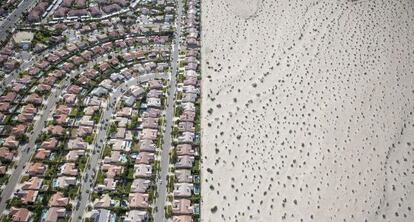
(159, 215)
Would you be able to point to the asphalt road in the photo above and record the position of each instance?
(88, 178)
(159, 214)
(11, 21)
(28, 150)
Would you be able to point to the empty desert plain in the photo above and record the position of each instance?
(308, 110)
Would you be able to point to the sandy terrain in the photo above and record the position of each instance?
(308, 110)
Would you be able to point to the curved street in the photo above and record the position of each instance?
(100, 139)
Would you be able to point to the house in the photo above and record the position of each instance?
(116, 77)
(109, 9)
(190, 73)
(76, 144)
(71, 47)
(93, 101)
(90, 110)
(84, 131)
(137, 91)
(183, 176)
(95, 12)
(136, 216)
(188, 107)
(77, 12)
(140, 185)
(146, 145)
(25, 117)
(49, 144)
(122, 121)
(138, 201)
(73, 89)
(57, 73)
(4, 106)
(154, 93)
(107, 84)
(29, 108)
(104, 202)
(182, 207)
(114, 158)
(11, 142)
(86, 121)
(186, 127)
(10, 65)
(182, 218)
(151, 113)
(60, 12)
(16, 87)
(189, 97)
(184, 162)
(9, 97)
(148, 134)
(19, 214)
(25, 79)
(124, 112)
(99, 91)
(70, 99)
(43, 65)
(41, 154)
(191, 89)
(119, 145)
(129, 100)
(184, 149)
(56, 130)
(98, 50)
(3, 170)
(27, 196)
(187, 116)
(68, 169)
(145, 158)
(119, 134)
(35, 99)
(58, 200)
(61, 119)
(109, 184)
(186, 137)
(154, 102)
(142, 171)
(148, 122)
(34, 183)
(36, 169)
(155, 84)
(65, 181)
(54, 213)
(74, 155)
(100, 215)
(5, 154)
(107, 46)
(190, 81)
(182, 189)
(52, 58)
(112, 170)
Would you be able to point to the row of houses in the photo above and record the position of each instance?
(185, 183)
(129, 163)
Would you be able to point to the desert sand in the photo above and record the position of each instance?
(307, 110)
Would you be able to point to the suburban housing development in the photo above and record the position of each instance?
(206, 111)
(100, 110)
